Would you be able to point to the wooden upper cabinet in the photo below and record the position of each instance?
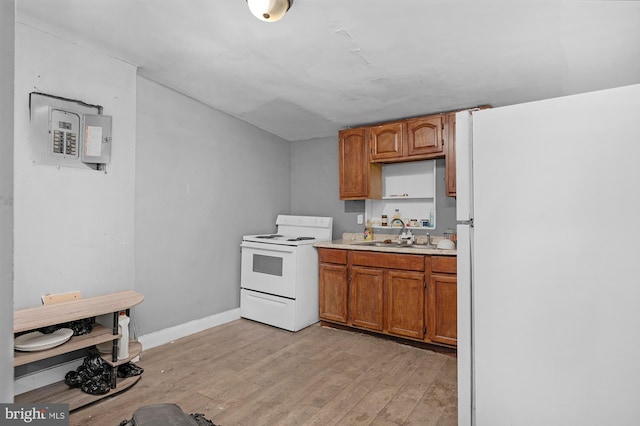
(450, 142)
(425, 136)
(363, 150)
(387, 141)
(407, 140)
(359, 179)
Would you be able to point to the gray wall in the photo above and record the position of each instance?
(315, 188)
(7, 37)
(203, 179)
(315, 185)
(445, 206)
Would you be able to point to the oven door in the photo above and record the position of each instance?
(268, 268)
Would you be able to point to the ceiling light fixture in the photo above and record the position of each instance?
(269, 10)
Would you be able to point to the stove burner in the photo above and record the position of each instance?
(269, 236)
(301, 238)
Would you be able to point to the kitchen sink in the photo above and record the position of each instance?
(378, 244)
(393, 244)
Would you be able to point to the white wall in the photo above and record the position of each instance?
(73, 227)
(7, 13)
(203, 179)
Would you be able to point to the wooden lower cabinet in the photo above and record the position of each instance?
(333, 276)
(405, 304)
(366, 298)
(443, 317)
(333, 292)
(405, 295)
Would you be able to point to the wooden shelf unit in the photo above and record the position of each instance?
(43, 316)
(60, 393)
(99, 334)
(134, 350)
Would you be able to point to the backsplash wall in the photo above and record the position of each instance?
(315, 188)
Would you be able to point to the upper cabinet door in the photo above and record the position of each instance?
(387, 141)
(425, 136)
(450, 147)
(359, 179)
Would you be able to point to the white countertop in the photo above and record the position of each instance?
(391, 248)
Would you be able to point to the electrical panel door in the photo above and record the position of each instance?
(96, 139)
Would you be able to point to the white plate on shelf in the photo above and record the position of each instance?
(37, 341)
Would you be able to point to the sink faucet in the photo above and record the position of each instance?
(403, 225)
(428, 244)
(403, 237)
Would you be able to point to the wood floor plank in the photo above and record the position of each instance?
(435, 407)
(285, 382)
(249, 374)
(420, 379)
(370, 372)
(367, 409)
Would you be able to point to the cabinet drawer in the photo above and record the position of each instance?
(326, 255)
(407, 262)
(446, 264)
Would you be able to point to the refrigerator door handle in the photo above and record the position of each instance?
(468, 222)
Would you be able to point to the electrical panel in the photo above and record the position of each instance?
(69, 133)
(63, 133)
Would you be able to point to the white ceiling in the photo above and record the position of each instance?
(332, 64)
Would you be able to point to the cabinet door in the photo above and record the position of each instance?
(366, 293)
(387, 141)
(405, 303)
(333, 292)
(425, 136)
(443, 309)
(450, 142)
(358, 178)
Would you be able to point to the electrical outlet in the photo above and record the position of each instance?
(360, 219)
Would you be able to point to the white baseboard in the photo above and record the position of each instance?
(51, 375)
(170, 334)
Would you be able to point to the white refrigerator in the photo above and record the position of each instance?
(548, 213)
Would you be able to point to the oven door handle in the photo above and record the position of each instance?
(267, 247)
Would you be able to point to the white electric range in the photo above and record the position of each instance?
(279, 272)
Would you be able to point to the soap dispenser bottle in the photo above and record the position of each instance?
(368, 231)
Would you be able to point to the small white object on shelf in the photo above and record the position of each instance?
(123, 343)
(38, 341)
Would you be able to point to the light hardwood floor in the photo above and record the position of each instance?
(250, 374)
